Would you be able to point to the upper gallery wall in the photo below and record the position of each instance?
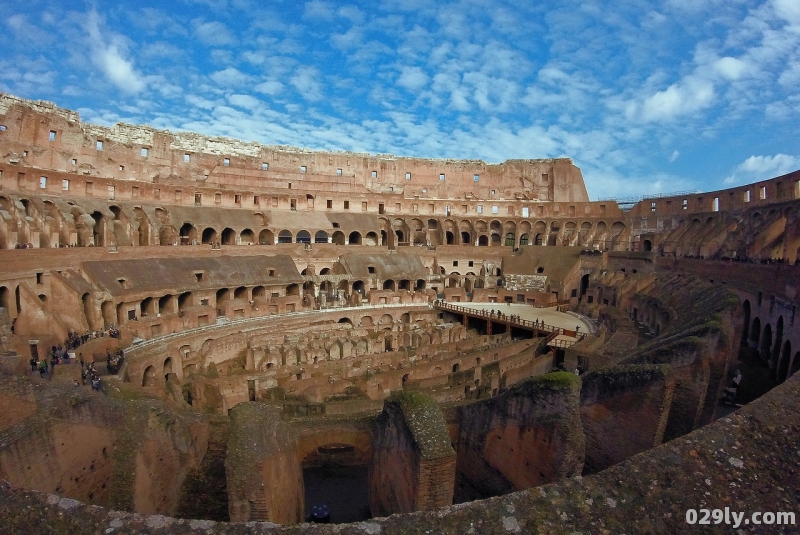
(38, 134)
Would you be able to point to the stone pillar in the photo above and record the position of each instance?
(264, 476)
(413, 463)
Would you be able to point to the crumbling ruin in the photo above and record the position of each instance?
(283, 310)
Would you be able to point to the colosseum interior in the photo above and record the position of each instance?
(468, 347)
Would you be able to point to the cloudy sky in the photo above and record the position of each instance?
(645, 96)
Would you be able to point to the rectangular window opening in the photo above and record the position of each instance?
(408, 176)
(338, 172)
(762, 193)
(98, 145)
(187, 158)
(226, 162)
(441, 176)
(43, 182)
(264, 166)
(716, 204)
(476, 178)
(256, 200)
(52, 135)
(237, 199)
(303, 168)
(374, 174)
(144, 152)
(495, 208)
(364, 206)
(329, 203)
(65, 185)
(746, 196)
(346, 205)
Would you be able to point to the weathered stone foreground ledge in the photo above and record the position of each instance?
(749, 461)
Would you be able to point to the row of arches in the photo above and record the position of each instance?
(770, 343)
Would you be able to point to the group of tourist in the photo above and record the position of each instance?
(114, 361)
(74, 339)
(23, 246)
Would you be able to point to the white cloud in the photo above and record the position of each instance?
(674, 156)
(245, 101)
(731, 68)
(212, 33)
(318, 11)
(757, 168)
(788, 10)
(109, 55)
(412, 78)
(230, 77)
(682, 98)
(270, 87)
(306, 81)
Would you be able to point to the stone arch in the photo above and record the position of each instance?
(386, 319)
(303, 236)
(149, 376)
(647, 246)
(228, 236)
(766, 342)
(240, 293)
(338, 238)
(188, 234)
(783, 361)
(168, 367)
(755, 332)
(746, 315)
(483, 240)
(293, 289)
(209, 235)
(354, 238)
(285, 236)
(266, 237)
(321, 237)
(99, 231)
(5, 298)
(371, 238)
(247, 237)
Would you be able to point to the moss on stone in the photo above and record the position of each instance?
(425, 421)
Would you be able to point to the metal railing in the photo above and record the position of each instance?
(537, 326)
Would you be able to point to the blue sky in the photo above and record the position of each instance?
(646, 97)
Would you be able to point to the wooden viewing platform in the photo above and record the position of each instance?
(539, 328)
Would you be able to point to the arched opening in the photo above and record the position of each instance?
(371, 239)
(647, 246)
(109, 314)
(293, 289)
(495, 240)
(149, 376)
(321, 237)
(389, 284)
(584, 284)
(209, 236)
(167, 367)
(223, 296)
(766, 342)
(338, 238)
(188, 234)
(354, 238)
(358, 286)
(266, 237)
(240, 293)
(420, 285)
(4, 298)
(483, 241)
(145, 307)
(523, 239)
(184, 301)
(99, 231)
(303, 237)
(247, 237)
(466, 238)
(404, 284)
(228, 236)
(259, 292)
(537, 240)
(510, 239)
(285, 236)
(755, 332)
(783, 362)
(166, 305)
(449, 238)
(746, 324)
(795, 367)
(778, 341)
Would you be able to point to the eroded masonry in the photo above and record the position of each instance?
(438, 331)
